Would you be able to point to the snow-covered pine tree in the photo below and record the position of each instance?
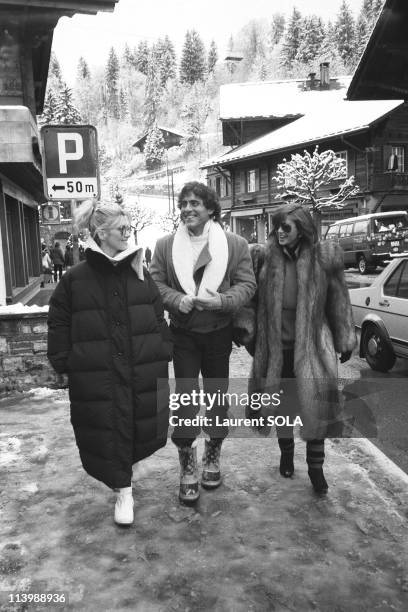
(362, 35)
(194, 114)
(128, 59)
(212, 57)
(153, 92)
(49, 114)
(169, 60)
(292, 39)
(193, 60)
(55, 80)
(345, 34)
(277, 28)
(311, 39)
(112, 84)
(66, 112)
(154, 148)
(142, 54)
(83, 71)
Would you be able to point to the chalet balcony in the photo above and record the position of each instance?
(385, 181)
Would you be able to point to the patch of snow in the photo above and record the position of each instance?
(43, 392)
(22, 309)
(30, 487)
(9, 450)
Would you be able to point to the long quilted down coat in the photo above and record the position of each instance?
(107, 332)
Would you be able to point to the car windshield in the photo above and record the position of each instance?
(388, 224)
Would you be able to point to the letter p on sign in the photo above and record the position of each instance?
(64, 155)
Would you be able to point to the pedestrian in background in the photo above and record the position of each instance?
(107, 332)
(204, 274)
(69, 256)
(58, 262)
(148, 257)
(304, 318)
(46, 266)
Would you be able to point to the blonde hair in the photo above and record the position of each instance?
(94, 216)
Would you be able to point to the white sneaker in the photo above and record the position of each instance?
(124, 507)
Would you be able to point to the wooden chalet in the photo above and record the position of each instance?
(372, 136)
(171, 138)
(26, 32)
(382, 73)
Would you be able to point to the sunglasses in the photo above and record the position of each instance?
(125, 230)
(285, 227)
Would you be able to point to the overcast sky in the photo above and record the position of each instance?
(134, 20)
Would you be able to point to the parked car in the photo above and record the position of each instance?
(369, 241)
(381, 312)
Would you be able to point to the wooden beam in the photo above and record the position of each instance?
(78, 6)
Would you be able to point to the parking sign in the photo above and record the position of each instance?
(70, 162)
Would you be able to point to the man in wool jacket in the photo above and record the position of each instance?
(204, 275)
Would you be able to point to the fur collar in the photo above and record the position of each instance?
(136, 251)
(215, 269)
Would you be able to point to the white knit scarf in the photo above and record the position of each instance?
(214, 272)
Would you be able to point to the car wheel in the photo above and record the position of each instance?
(378, 353)
(362, 265)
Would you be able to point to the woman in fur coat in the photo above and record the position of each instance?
(304, 319)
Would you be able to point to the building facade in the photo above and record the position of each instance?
(372, 138)
(26, 31)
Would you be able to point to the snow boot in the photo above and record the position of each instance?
(211, 477)
(124, 507)
(188, 473)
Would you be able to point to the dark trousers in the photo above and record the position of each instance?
(314, 448)
(208, 353)
(57, 272)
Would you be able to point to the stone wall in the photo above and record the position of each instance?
(23, 352)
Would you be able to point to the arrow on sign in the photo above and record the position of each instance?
(56, 187)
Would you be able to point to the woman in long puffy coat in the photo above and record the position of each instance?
(107, 332)
(303, 319)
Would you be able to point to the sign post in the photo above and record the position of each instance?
(70, 166)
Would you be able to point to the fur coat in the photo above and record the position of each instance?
(324, 327)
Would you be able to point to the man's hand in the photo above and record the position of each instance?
(211, 303)
(187, 304)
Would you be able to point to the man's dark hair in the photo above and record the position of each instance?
(208, 196)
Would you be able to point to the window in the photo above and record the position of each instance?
(403, 286)
(360, 227)
(333, 231)
(393, 285)
(251, 181)
(226, 187)
(218, 185)
(396, 159)
(343, 155)
(346, 229)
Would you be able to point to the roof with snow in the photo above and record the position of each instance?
(337, 119)
(170, 135)
(277, 98)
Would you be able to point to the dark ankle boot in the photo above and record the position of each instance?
(287, 447)
(318, 480)
(315, 459)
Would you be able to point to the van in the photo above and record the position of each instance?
(371, 240)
